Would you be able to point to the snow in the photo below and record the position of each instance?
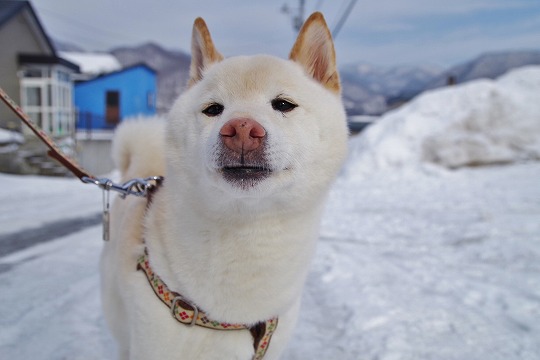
(10, 137)
(419, 258)
(54, 306)
(93, 63)
(477, 123)
(420, 266)
(32, 201)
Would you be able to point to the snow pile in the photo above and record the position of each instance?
(477, 123)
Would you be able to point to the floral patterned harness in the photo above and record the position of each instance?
(188, 314)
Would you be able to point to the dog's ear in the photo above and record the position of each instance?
(203, 51)
(314, 50)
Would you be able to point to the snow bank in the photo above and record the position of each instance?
(477, 123)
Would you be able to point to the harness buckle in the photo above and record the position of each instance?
(174, 305)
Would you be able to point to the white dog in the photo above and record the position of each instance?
(248, 154)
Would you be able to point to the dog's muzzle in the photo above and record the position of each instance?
(242, 152)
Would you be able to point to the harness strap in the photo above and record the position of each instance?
(187, 313)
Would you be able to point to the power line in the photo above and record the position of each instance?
(298, 18)
(86, 28)
(343, 18)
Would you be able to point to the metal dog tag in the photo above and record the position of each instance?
(105, 217)
(106, 225)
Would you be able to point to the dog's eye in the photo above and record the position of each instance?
(282, 105)
(213, 110)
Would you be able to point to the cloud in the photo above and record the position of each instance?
(382, 31)
(392, 10)
(454, 48)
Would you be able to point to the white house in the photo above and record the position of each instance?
(33, 74)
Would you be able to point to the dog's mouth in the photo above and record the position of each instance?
(245, 176)
(246, 170)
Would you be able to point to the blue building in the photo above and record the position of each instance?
(104, 101)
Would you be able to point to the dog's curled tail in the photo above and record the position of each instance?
(138, 148)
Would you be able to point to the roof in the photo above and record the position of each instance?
(121, 71)
(46, 59)
(8, 9)
(11, 8)
(93, 63)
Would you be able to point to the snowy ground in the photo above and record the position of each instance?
(428, 267)
(415, 261)
(414, 266)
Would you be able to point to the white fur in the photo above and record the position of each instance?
(240, 254)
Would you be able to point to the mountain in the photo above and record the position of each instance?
(390, 81)
(172, 69)
(489, 65)
(360, 100)
(367, 88)
(370, 89)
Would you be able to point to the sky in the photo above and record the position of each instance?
(381, 32)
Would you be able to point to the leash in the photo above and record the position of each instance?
(54, 150)
(138, 187)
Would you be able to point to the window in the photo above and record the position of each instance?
(63, 76)
(48, 99)
(33, 73)
(112, 107)
(33, 96)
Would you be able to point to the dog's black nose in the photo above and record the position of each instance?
(242, 135)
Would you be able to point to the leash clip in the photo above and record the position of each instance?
(138, 186)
